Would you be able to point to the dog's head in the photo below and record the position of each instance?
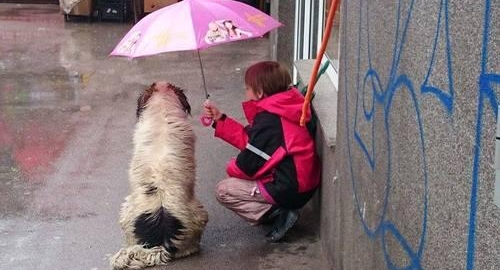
(168, 90)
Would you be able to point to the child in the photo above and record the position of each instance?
(277, 170)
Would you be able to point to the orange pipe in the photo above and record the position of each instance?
(317, 63)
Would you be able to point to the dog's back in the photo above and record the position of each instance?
(160, 213)
(164, 144)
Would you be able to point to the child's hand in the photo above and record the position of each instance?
(211, 110)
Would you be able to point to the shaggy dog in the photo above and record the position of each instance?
(161, 218)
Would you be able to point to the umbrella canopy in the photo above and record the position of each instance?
(194, 25)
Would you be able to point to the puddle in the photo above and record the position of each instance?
(35, 107)
(52, 86)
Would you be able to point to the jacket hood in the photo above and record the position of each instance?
(287, 104)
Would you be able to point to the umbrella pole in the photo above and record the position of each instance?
(205, 120)
(203, 75)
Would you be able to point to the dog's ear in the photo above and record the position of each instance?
(182, 98)
(144, 98)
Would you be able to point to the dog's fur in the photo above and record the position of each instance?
(161, 218)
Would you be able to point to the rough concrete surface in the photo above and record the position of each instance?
(67, 113)
(418, 95)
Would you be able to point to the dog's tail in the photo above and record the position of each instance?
(158, 229)
(138, 257)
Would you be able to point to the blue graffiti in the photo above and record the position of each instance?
(382, 97)
(384, 226)
(445, 97)
(486, 94)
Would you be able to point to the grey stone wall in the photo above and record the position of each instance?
(417, 102)
(284, 11)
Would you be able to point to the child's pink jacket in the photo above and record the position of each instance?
(275, 151)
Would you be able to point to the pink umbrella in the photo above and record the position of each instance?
(194, 25)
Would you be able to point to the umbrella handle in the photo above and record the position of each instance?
(206, 120)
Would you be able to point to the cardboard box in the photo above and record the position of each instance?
(83, 8)
(152, 5)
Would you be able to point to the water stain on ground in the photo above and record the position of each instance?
(29, 146)
(34, 88)
(39, 93)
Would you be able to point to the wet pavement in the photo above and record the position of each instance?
(67, 113)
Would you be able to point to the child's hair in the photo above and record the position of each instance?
(269, 77)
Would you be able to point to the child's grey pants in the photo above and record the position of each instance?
(242, 197)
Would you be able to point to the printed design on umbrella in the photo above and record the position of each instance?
(162, 39)
(167, 38)
(129, 45)
(223, 30)
(257, 19)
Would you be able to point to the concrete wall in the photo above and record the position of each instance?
(282, 39)
(417, 103)
(325, 106)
